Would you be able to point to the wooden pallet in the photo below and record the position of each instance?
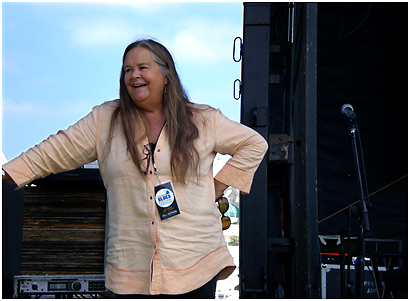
(64, 226)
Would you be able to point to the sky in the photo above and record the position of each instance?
(61, 59)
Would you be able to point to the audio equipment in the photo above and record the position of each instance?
(59, 285)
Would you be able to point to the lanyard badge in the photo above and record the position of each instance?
(165, 200)
(164, 196)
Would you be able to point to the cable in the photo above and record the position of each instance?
(347, 207)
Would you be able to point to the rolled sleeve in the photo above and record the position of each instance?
(247, 148)
(19, 171)
(66, 150)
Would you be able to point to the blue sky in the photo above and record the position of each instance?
(61, 59)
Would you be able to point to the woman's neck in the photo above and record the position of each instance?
(155, 121)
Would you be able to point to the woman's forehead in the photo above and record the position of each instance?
(139, 55)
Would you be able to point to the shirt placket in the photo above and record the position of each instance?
(155, 266)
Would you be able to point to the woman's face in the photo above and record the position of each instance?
(144, 80)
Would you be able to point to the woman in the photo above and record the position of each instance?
(155, 151)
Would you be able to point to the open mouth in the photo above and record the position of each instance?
(139, 85)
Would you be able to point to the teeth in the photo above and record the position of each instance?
(140, 85)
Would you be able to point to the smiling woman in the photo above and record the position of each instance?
(148, 69)
(152, 143)
(144, 80)
(151, 139)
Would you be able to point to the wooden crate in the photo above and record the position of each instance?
(64, 224)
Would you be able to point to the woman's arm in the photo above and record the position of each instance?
(245, 145)
(66, 150)
(219, 188)
(7, 178)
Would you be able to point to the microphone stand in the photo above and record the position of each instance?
(362, 214)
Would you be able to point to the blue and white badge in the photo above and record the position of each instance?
(165, 200)
(164, 197)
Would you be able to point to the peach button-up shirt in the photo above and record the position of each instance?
(147, 255)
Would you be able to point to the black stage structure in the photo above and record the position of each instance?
(301, 62)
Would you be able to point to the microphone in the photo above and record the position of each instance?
(347, 110)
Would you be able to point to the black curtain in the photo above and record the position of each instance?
(362, 60)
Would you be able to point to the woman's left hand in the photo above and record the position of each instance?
(219, 188)
(7, 178)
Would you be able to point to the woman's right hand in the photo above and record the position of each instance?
(7, 178)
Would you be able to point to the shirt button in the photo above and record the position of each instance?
(150, 197)
(150, 172)
(152, 222)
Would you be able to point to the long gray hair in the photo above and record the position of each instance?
(178, 110)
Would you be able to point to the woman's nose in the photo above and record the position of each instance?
(136, 74)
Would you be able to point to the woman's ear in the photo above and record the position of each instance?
(166, 81)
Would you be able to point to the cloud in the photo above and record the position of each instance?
(119, 25)
(153, 7)
(42, 109)
(100, 31)
(17, 60)
(22, 109)
(199, 40)
(204, 41)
